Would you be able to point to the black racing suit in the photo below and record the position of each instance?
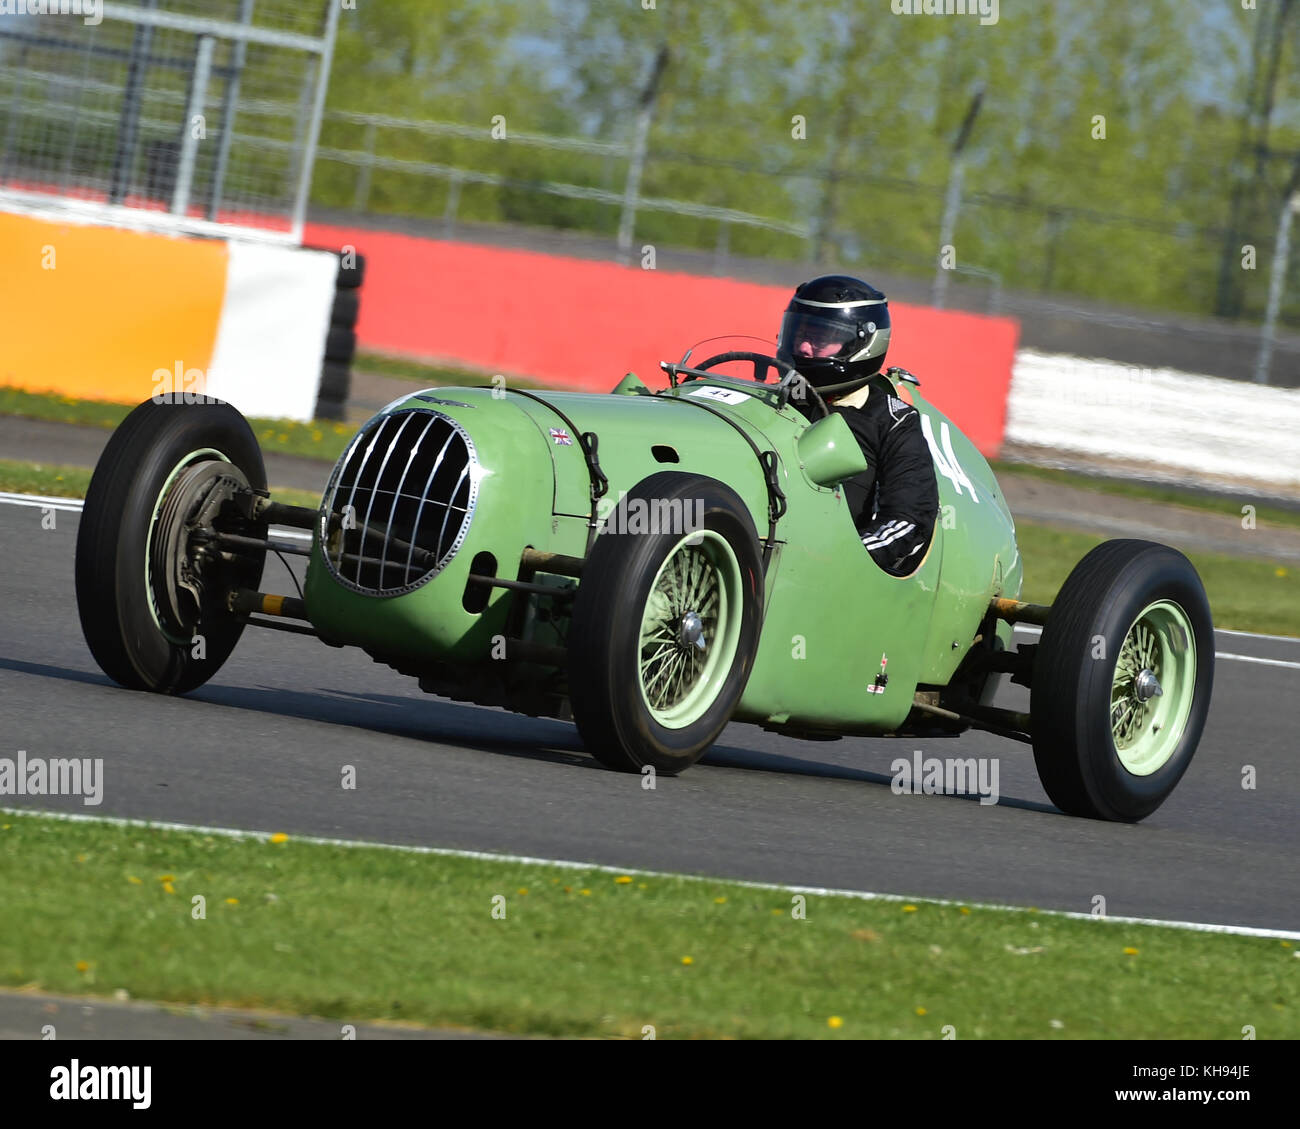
(894, 502)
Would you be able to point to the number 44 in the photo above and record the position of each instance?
(944, 459)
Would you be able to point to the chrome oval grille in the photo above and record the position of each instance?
(399, 502)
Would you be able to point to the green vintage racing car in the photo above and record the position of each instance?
(654, 565)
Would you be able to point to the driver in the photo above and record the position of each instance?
(835, 332)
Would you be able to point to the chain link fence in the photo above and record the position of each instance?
(193, 114)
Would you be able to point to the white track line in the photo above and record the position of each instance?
(1252, 659)
(71, 505)
(1030, 629)
(1256, 635)
(566, 864)
(74, 505)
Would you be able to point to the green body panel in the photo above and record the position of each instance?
(513, 512)
(830, 614)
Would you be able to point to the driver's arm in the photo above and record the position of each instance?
(906, 493)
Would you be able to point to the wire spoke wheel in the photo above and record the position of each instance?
(1115, 727)
(665, 628)
(689, 629)
(1151, 694)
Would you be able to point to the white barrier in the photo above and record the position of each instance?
(1179, 424)
(271, 338)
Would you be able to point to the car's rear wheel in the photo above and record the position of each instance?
(152, 596)
(665, 627)
(1122, 681)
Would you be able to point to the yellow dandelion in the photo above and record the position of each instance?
(7, 826)
(522, 891)
(642, 886)
(81, 858)
(58, 478)
(964, 909)
(279, 837)
(623, 880)
(83, 966)
(719, 901)
(1130, 951)
(688, 960)
(1286, 944)
(1279, 572)
(133, 880)
(920, 1011)
(778, 911)
(909, 909)
(169, 888)
(232, 901)
(585, 893)
(834, 1021)
(166, 878)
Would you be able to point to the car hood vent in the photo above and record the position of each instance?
(399, 503)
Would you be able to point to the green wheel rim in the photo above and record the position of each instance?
(193, 457)
(1151, 692)
(696, 597)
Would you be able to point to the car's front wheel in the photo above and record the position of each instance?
(665, 625)
(1122, 681)
(151, 594)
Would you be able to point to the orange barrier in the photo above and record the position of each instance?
(92, 312)
(584, 324)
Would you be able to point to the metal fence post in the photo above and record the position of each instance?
(952, 205)
(632, 188)
(722, 248)
(1276, 285)
(128, 128)
(189, 140)
(229, 103)
(326, 61)
(453, 203)
(365, 168)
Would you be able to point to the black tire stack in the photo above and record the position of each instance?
(341, 340)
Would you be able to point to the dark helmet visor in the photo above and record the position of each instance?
(806, 334)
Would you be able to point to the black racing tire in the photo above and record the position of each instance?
(335, 381)
(615, 717)
(351, 278)
(347, 304)
(1102, 750)
(331, 409)
(115, 567)
(340, 345)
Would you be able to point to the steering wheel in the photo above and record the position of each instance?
(761, 362)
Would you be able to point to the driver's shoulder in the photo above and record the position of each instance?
(882, 403)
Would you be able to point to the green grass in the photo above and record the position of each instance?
(326, 440)
(428, 375)
(321, 439)
(364, 934)
(1245, 595)
(53, 480)
(1187, 498)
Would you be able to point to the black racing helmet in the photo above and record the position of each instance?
(835, 332)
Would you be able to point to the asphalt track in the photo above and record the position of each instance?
(261, 748)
